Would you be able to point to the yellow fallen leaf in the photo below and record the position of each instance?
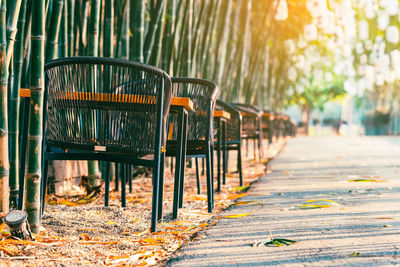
(2, 227)
(111, 222)
(234, 216)
(91, 242)
(149, 240)
(322, 200)
(367, 181)
(63, 202)
(250, 202)
(142, 233)
(237, 196)
(241, 188)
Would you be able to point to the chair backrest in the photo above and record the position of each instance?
(203, 95)
(234, 124)
(252, 117)
(106, 104)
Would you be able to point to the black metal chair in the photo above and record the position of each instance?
(234, 135)
(276, 125)
(108, 110)
(200, 131)
(251, 126)
(267, 125)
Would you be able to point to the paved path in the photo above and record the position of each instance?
(366, 222)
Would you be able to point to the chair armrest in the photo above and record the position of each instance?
(182, 102)
(222, 114)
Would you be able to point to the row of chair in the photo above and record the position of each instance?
(103, 109)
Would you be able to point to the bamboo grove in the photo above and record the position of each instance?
(236, 43)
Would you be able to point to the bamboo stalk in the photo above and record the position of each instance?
(15, 106)
(64, 44)
(4, 160)
(93, 47)
(53, 31)
(71, 20)
(34, 170)
(13, 9)
(156, 15)
(109, 29)
(137, 24)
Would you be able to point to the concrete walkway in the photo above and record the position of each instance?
(363, 231)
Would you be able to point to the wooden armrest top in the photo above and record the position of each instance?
(222, 114)
(247, 114)
(182, 102)
(267, 114)
(121, 98)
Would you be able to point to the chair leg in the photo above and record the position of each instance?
(117, 176)
(44, 186)
(219, 140)
(183, 161)
(210, 191)
(123, 187)
(155, 193)
(247, 147)
(179, 159)
(203, 167)
(161, 191)
(224, 151)
(255, 149)
(198, 177)
(107, 186)
(130, 178)
(239, 165)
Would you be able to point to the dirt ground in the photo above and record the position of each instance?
(92, 235)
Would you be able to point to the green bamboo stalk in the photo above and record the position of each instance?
(198, 26)
(64, 49)
(137, 24)
(13, 8)
(81, 28)
(53, 31)
(122, 49)
(109, 29)
(125, 33)
(36, 85)
(156, 15)
(93, 31)
(181, 34)
(71, 23)
(222, 41)
(4, 160)
(156, 51)
(168, 39)
(93, 47)
(15, 106)
(243, 46)
(100, 35)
